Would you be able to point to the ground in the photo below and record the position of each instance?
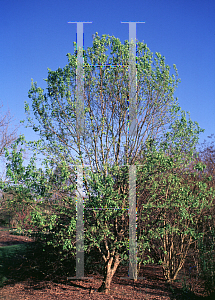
(153, 286)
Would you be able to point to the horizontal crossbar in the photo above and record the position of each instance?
(105, 208)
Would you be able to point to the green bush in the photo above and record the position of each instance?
(207, 261)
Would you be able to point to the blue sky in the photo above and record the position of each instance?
(35, 35)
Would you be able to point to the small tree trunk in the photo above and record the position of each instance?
(108, 274)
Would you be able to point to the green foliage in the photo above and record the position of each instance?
(8, 254)
(34, 192)
(207, 261)
(55, 110)
(173, 195)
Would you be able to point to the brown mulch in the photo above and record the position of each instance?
(152, 287)
(7, 239)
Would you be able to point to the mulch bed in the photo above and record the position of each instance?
(153, 286)
(7, 239)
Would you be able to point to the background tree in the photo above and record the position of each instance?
(8, 134)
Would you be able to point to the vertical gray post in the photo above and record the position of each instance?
(79, 225)
(80, 130)
(80, 79)
(132, 133)
(132, 223)
(132, 79)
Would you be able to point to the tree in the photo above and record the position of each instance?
(8, 134)
(171, 211)
(56, 110)
(204, 247)
(105, 145)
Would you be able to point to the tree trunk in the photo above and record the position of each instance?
(108, 274)
(171, 271)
